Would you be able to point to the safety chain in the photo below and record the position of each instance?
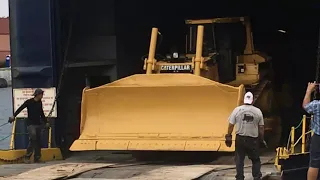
(4, 124)
(295, 128)
(16, 160)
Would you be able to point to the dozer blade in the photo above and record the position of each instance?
(167, 112)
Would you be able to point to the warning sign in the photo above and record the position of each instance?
(23, 94)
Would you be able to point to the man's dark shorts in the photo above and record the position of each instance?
(315, 151)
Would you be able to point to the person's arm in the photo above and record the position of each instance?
(232, 122)
(43, 117)
(18, 111)
(230, 128)
(309, 108)
(306, 99)
(261, 126)
(306, 104)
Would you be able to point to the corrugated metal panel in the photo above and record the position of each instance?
(4, 26)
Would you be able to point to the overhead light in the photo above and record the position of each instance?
(282, 31)
(175, 55)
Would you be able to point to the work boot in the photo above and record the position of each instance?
(38, 161)
(27, 161)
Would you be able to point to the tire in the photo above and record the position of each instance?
(265, 101)
(3, 83)
(273, 137)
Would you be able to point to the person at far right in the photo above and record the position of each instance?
(313, 108)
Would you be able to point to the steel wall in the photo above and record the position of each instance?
(31, 51)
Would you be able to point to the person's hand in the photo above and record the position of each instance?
(311, 86)
(47, 125)
(228, 140)
(264, 143)
(11, 119)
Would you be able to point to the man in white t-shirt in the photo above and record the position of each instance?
(249, 133)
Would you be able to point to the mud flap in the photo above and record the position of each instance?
(175, 112)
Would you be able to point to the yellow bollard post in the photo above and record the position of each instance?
(276, 160)
(292, 140)
(13, 131)
(49, 137)
(303, 146)
(152, 50)
(197, 60)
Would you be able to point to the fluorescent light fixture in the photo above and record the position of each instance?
(282, 31)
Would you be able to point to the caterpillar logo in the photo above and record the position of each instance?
(175, 68)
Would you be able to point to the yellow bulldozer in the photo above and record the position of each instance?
(183, 101)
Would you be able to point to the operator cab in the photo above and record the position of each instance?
(224, 39)
(175, 56)
(227, 52)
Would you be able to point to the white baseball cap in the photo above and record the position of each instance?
(248, 98)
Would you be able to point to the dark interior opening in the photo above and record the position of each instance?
(114, 36)
(96, 81)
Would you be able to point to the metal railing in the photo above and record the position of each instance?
(293, 144)
(285, 152)
(13, 135)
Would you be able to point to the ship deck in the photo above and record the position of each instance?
(103, 165)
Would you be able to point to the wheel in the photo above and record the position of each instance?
(265, 101)
(3, 83)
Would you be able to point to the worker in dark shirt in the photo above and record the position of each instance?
(35, 116)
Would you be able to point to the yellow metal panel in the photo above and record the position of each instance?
(252, 78)
(157, 145)
(203, 145)
(88, 145)
(113, 144)
(250, 69)
(47, 154)
(160, 145)
(155, 109)
(215, 20)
